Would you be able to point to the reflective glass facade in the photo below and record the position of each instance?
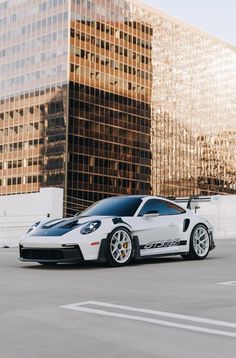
(110, 109)
(33, 94)
(108, 97)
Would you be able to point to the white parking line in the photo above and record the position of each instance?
(229, 283)
(81, 307)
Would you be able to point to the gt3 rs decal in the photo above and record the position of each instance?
(162, 244)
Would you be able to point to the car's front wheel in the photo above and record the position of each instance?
(199, 244)
(120, 247)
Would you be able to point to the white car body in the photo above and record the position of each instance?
(153, 235)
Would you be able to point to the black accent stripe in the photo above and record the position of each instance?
(119, 220)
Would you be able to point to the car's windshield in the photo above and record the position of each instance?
(115, 206)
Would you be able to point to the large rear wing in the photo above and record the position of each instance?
(192, 201)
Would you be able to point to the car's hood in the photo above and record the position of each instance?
(60, 227)
(85, 219)
(59, 231)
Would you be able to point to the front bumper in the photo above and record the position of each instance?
(54, 255)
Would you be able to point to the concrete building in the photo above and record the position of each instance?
(113, 97)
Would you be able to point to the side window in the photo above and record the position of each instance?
(164, 208)
(175, 209)
(154, 204)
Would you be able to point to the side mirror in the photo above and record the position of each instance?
(151, 214)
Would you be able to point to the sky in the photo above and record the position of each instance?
(217, 17)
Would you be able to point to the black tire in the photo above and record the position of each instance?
(124, 254)
(196, 245)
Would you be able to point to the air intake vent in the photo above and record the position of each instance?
(186, 224)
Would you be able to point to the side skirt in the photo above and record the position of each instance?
(138, 256)
(162, 255)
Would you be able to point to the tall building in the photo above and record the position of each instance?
(111, 97)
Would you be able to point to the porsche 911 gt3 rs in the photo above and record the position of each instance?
(120, 229)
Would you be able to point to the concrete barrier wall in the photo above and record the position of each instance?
(221, 212)
(19, 212)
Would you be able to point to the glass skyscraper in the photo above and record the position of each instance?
(110, 97)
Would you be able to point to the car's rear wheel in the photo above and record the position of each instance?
(199, 244)
(120, 247)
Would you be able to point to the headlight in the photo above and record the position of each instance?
(90, 227)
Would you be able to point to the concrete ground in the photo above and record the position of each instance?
(185, 298)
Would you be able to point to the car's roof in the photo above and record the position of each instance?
(138, 196)
(127, 196)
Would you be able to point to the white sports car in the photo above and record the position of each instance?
(119, 229)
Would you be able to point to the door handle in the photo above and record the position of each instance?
(171, 225)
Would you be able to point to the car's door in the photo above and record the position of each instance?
(160, 232)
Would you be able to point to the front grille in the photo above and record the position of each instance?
(57, 255)
(42, 254)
